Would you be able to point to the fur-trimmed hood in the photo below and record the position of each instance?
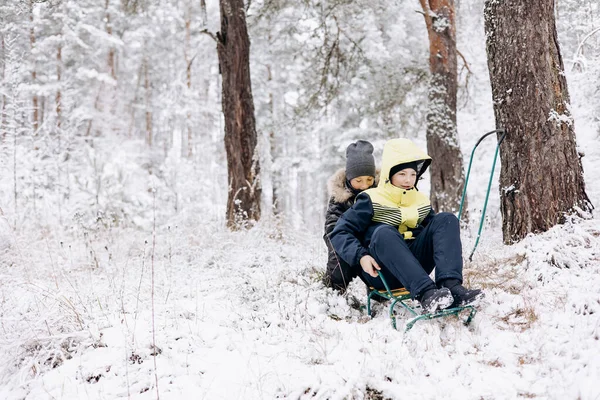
(336, 186)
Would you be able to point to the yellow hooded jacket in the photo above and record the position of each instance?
(393, 205)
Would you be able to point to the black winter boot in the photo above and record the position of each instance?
(462, 296)
(433, 300)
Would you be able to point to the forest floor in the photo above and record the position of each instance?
(203, 313)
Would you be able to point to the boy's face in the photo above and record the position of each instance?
(405, 179)
(362, 182)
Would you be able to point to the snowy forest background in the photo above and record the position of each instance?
(120, 112)
(112, 168)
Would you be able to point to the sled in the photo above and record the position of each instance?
(502, 133)
(402, 296)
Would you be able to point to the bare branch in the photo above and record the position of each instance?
(580, 47)
(212, 35)
(466, 64)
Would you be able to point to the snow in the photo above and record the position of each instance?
(560, 118)
(93, 308)
(244, 315)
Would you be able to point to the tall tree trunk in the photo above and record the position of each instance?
(203, 15)
(96, 104)
(35, 100)
(272, 143)
(188, 75)
(447, 174)
(58, 109)
(233, 48)
(148, 106)
(111, 51)
(15, 191)
(3, 130)
(58, 97)
(42, 106)
(541, 178)
(135, 98)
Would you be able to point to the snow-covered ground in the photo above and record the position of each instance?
(93, 311)
(209, 314)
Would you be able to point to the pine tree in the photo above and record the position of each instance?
(541, 180)
(447, 174)
(233, 47)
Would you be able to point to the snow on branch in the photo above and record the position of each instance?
(560, 118)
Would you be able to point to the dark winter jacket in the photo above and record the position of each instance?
(338, 274)
(407, 210)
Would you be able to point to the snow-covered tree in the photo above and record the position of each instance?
(542, 177)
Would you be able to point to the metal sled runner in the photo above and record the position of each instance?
(403, 297)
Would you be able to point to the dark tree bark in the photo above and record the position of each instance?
(233, 48)
(447, 174)
(541, 179)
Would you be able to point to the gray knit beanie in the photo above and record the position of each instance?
(359, 160)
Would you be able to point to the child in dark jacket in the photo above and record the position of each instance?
(392, 229)
(343, 186)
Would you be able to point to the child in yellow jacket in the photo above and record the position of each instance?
(392, 229)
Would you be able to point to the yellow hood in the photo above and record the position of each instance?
(400, 151)
(393, 205)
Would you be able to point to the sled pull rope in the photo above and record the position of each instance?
(502, 131)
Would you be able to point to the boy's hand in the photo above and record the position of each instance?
(369, 265)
